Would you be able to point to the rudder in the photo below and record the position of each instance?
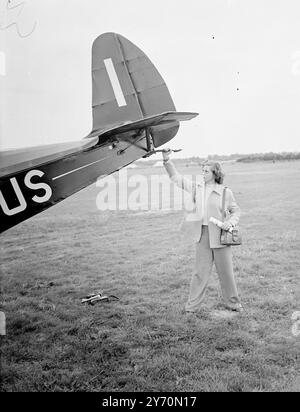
(127, 87)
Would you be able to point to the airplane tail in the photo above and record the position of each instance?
(128, 90)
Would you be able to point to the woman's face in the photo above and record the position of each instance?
(208, 174)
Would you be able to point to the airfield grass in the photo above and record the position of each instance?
(144, 342)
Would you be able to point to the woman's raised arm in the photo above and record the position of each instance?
(177, 178)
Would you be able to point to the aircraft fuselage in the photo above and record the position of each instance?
(30, 191)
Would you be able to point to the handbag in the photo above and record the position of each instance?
(232, 237)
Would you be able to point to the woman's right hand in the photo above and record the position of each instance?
(166, 154)
(226, 226)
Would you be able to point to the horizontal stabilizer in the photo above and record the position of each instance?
(148, 122)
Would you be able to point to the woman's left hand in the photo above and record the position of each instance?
(227, 225)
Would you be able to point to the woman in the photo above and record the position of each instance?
(207, 196)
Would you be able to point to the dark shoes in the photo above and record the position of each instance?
(235, 307)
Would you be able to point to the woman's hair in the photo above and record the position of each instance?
(215, 167)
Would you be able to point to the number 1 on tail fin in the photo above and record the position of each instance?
(113, 77)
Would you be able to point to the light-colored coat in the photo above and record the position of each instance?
(193, 220)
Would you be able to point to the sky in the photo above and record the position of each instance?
(235, 62)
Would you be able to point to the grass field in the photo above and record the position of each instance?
(144, 342)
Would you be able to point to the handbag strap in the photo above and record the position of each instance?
(194, 193)
(223, 204)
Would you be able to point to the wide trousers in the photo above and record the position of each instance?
(205, 257)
